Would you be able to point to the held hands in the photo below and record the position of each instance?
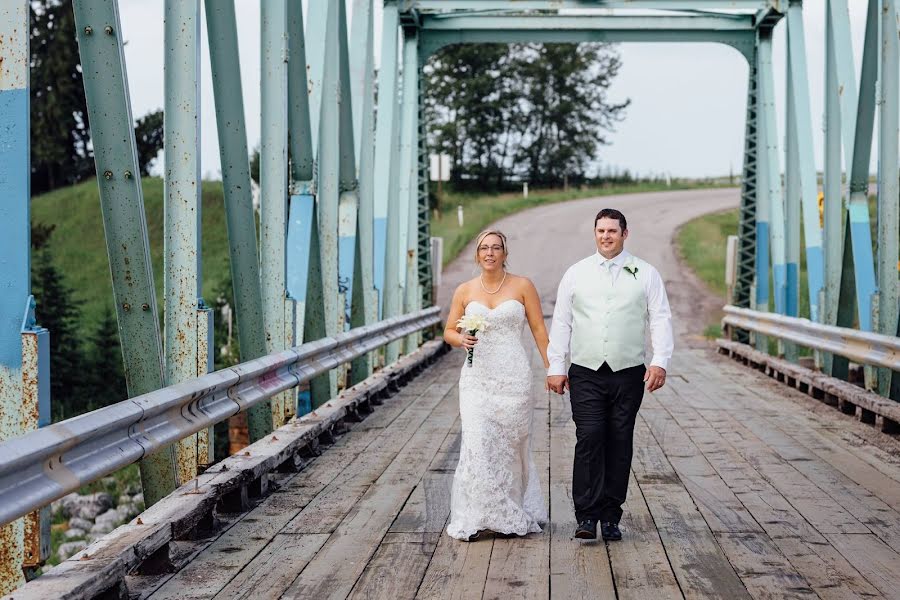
(655, 378)
(557, 383)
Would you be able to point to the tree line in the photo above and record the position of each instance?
(521, 112)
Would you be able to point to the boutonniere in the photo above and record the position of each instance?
(632, 269)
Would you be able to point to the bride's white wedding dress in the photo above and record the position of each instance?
(496, 485)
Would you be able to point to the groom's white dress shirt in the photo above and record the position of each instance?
(659, 315)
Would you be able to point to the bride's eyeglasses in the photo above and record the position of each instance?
(495, 248)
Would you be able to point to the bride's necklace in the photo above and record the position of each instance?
(481, 279)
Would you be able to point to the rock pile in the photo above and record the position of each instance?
(93, 516)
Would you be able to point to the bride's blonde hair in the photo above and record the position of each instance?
(486, 233)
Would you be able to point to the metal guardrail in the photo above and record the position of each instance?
(46, 464)
(863, 347)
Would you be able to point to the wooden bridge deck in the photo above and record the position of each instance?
(741, 488)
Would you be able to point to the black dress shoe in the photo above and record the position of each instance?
(586, 530)
(611, 531)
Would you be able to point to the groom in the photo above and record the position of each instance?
(603, 307)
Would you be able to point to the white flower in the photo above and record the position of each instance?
(472, 323)
(631, 268)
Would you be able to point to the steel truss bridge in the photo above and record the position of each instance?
(335, 289)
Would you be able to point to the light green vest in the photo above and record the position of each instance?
(608, 321)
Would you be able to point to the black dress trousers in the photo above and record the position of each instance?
(604, 407)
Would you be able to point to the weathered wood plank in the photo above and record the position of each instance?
(335, 569)
(701, 568)
(428, 507)
(764, 570)
(878, 563)
(828, 573)
(639, 563)
(397, 567)
(260, 581)
(457, 570)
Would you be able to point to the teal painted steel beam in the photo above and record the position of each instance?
(181, 236)
(859, 235)
(423, 230)
(348, 206)
(316, 44)
(888, 260)
(328, 159)
(300, 139)
(409, 180)
(801, 131)
(124, 221)
(747, 235)
(240, 219)
(771, 172)
(273, 177)
(840, 126)
(386, 236)
(426, 6)
(304, 278)
(15, 276)
(432, 41)
(648, 25)
(364, 304)
(792, 200)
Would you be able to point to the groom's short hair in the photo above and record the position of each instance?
(611, 213)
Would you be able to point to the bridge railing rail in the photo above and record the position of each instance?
(46, 464)
(862, 347)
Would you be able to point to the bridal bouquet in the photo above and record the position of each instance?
(472, 324)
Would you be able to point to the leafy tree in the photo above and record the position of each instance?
(59, 119)
(537, 112)
(148, 133)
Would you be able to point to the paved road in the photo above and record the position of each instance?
(545, 240)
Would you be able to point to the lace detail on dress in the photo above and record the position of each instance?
(496, 484)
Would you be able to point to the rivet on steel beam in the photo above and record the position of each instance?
(126, 306)
(145, 306)
(127, 174)
(108, 29)
(107, 175)
(88, 30)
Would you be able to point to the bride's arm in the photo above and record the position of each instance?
(451, 334)
(535, 315)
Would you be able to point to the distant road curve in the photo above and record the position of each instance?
(545, 240)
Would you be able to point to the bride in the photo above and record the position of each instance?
(496, 487)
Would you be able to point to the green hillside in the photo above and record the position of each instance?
(78, 245)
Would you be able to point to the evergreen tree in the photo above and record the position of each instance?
(106, 372)
(58, 310)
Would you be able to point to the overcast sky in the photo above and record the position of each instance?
(687, 100)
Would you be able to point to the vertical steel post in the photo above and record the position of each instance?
(362, 64)
(801, 130)
(15, 190)
(772, 171)
(273, 179)
(888, 183)
(348, 205)
(239, 214)
(423, 229)
(858, 228)
(763, 209)
(409, 178)
(304, 277)
(124, 221)
(747, 237)
(386, 144)
(792, 211)
(181, 240)
(322, 48)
